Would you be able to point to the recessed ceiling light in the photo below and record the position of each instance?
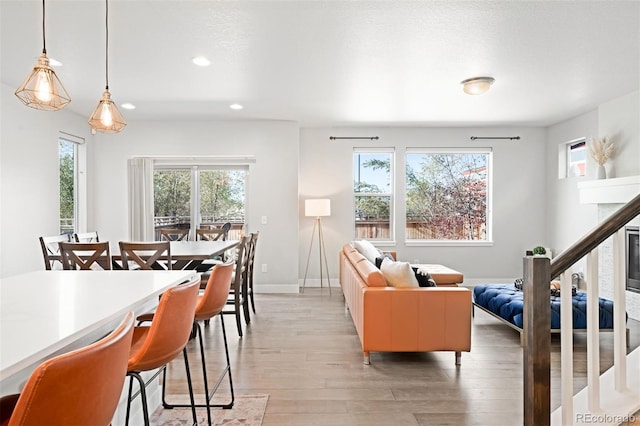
(201, 61)
(477, 85)
(54, 62)
(128, 105)
(236, 106)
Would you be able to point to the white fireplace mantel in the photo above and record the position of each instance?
(609, 191)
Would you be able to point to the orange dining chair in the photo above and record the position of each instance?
(85, 256)
(51, 250)
(210, 304)
(81, 387)
(155, 345)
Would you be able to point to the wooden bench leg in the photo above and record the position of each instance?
(367, 359)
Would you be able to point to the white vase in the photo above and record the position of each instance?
(601, 172)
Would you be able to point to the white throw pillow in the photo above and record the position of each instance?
(367, 249)
(398, 274)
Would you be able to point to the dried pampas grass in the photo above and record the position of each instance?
(601, 149)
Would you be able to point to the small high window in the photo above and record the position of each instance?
(576, 158)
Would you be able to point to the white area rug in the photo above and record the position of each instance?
(248, 410)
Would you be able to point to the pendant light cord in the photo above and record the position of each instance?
(106, 45)
(44, 40)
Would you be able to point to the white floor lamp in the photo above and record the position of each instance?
(317, 208)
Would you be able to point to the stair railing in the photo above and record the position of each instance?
(538, 272)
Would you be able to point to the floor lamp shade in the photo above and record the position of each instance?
(317, 208)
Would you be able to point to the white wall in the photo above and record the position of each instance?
(29, 191)
(567, 219)
(620, 119)
(518, 195)
(272, 191)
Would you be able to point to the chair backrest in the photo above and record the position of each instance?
(81, 387)
(215, 295)
(211, 234)
(242, 256)
(252, 252)
(50, 248)
(85, 256)
(86, 237)
(153, 255)
(170, 329)
(174, 235)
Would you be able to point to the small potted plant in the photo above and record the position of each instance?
(539, 251)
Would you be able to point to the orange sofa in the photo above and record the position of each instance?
(393, 319)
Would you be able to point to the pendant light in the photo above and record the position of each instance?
(106, 118)
(42, 89)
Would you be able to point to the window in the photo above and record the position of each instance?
(447, 196)
(199, 196)
(576, 158)
(68, 178)
(373, 194)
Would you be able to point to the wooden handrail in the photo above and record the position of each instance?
(594, 238)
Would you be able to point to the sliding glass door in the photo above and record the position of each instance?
(200, 196)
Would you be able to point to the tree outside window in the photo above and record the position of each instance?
(373, 196)
(67, 166)
(447, 196)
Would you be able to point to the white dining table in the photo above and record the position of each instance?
(45, 313)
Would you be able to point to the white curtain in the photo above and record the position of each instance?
(140, 177)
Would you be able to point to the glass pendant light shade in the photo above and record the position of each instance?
(43, 89)
(106, 118)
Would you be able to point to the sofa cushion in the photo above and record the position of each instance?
(370, 274)
(398, 274)
(380, 258)
(367, 249)
(424, 278)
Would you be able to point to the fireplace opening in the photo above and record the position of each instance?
(632, 253)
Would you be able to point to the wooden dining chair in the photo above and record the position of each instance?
(235, 302)
(85, 256)
(203, 234)
(81, 387)
(150, 255)
(156, 345)
(174, 235)
(250, 262)
(51, 250)
(86, 237)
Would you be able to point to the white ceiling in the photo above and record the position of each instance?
(333, 63)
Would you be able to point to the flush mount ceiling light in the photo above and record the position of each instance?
(201, 61)
(42, 89)
(236, 106)
(128, 105)
(106, 118)
(477, 85)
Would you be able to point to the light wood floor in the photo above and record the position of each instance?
(304, 352)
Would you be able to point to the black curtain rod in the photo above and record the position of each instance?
(373, 138)
(473, 138)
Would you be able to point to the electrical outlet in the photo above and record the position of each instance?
(264, 220)
(416, 261)
(263, 267)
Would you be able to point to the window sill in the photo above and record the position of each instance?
(446, 243)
